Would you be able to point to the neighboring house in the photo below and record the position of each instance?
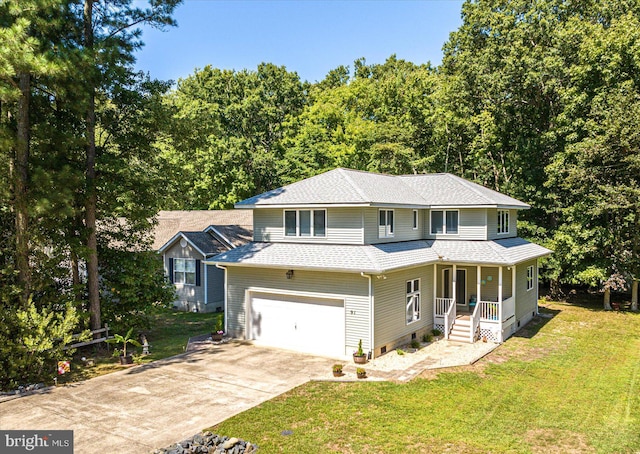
(347, 256)
(186, 239)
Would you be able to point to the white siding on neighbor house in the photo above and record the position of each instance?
(344, 226)
(471, 225)
(492, 224)
(390, 322)
(351, 287)
(403, 226)
(526, 300)
(188, 296)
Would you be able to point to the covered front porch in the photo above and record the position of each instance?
(472, 302)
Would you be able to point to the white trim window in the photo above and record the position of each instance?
(413, 301)
(385, 223)
(305, 223)
(503, 222)
(184, 271)
(415, 219)
(445, 222)
(530, 277)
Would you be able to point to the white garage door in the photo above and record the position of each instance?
(311, 325)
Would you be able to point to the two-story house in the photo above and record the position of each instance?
(347, 256)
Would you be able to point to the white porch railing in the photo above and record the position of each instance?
(508, 308)
(449, 319)
(488, 310)
(475, 323)
(442, 306)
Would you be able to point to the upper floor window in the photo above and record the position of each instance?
(385, 225)
(530, 277)
(305, 223)
(184, 271)
(503, 221)
(444, 221)
(413, 300)
(415, 219)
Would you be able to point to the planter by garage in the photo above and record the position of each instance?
(216, 337)
(360, 359)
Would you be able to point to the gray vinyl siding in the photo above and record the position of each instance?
(351, 287)
(215, 288)
(526, 300)
(472, 225)
(390, 301)
(187, 296)
(492, 224)
(344, 226)
(403, 226)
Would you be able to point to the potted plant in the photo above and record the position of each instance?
(218, 332)
(124, 340)
(337, 370)
(361, 373)
(358, 356)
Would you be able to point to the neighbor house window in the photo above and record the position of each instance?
(303, 223)
(445, 221)
(385, 225)
(530, 277)
(415, 219)
(503, 221)
(413, 300)
(184, 271)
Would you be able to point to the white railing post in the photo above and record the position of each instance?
(449, 318)
(500, 301)
(475, 322)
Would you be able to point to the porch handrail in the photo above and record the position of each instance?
(442, 305)
(489, 311)
(475, 323)
(508, 308)
(449, 319)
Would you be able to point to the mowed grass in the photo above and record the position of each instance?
(566, 383)
(170, 331)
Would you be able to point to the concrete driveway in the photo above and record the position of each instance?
(153, 406)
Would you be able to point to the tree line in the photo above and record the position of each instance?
(536, 99)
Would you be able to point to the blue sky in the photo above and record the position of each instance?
(310, 37)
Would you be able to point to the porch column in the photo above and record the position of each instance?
(500, 302)
(453, 285)
(479, 283)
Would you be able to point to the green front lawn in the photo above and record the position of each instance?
(570, 383)
(168, 336)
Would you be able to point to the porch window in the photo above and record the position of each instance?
(503, 222)
(413, 301)
(444, 222)
(184, 271)
(530, 277)
(385, 224)
(303, 223)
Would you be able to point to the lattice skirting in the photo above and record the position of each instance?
(439, 327)
(489, 334)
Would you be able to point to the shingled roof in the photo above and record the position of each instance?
(235, 225)
(355, 188)
(380, 258)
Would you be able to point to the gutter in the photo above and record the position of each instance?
(371, 313)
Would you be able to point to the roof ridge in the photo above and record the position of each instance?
(353, 184)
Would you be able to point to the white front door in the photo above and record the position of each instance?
(301, 323)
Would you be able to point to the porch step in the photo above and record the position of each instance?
(461, 330)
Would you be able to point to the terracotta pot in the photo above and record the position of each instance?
(216, 337)
(362, 375)
(337, 373)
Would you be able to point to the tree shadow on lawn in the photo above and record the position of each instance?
(538, 322)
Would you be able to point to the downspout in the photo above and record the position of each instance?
(226, 327)
(206, 281)
(371, 313)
